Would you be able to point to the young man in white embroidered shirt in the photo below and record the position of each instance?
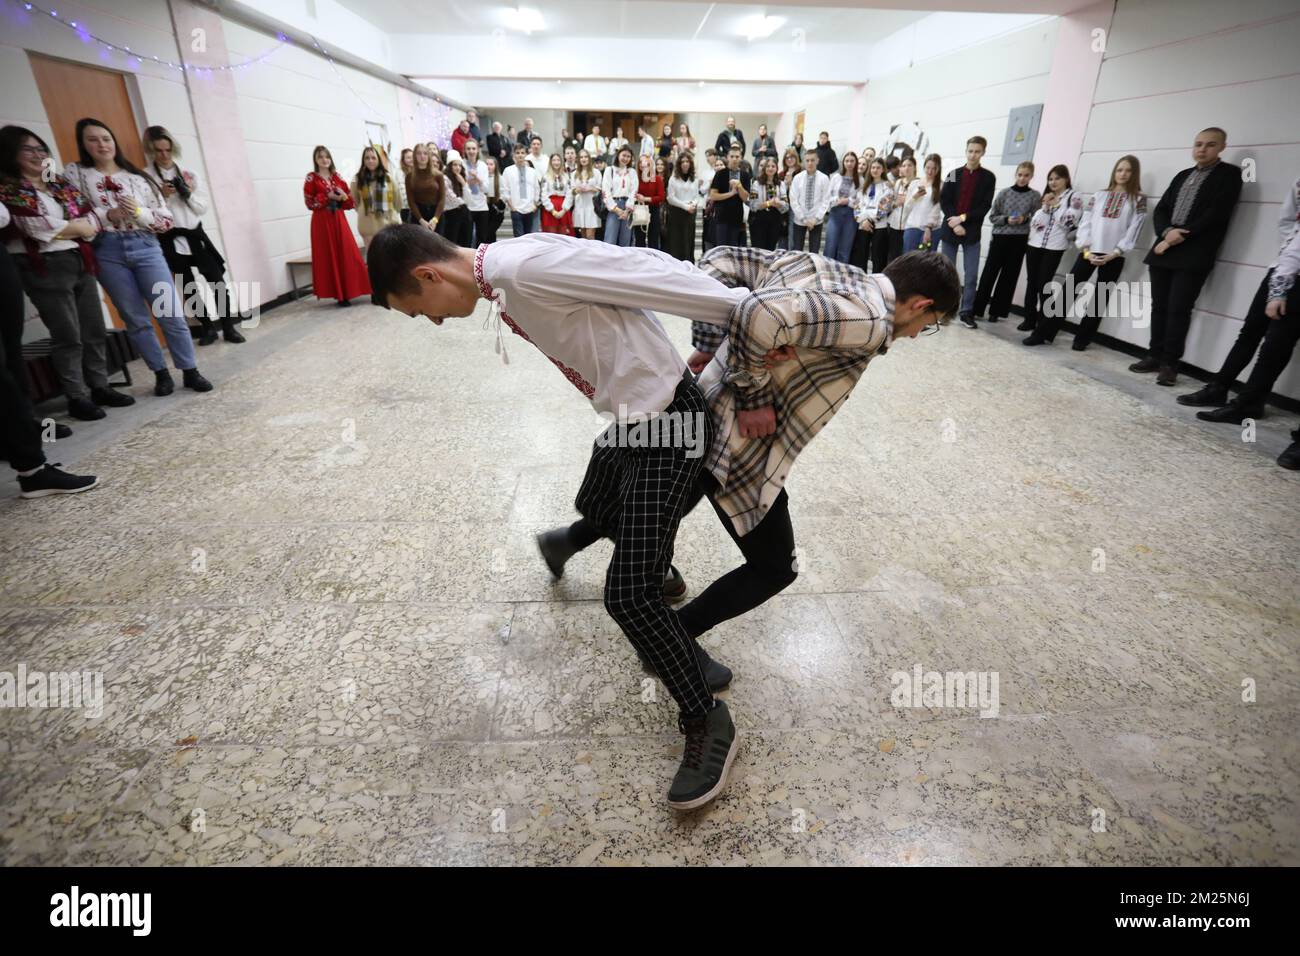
(810, 201)
(603, 338)
(521, 190)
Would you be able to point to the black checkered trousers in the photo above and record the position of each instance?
(638, 497)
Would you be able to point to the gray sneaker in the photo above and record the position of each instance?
(716, 674)
(711, 745)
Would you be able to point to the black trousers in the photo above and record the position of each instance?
(769, 566)
(1173, 296)
(481, 220)
(679, 234)
(860, 256)
(1279, 337)
(765, 228)
(1001, 272)
(813, 235)
(880, 248)
(1098, 308)
(20, 436)
(1041, 264)
(652, 234)
(456, 224)
(727, 234)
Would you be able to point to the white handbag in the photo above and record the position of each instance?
(641, 215)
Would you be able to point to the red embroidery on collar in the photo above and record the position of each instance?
(485, 288)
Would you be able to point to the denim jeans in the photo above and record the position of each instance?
(841, 228)
(135, 275)
(618, 230)
(912, 239)
(525, 223)
(970, 267)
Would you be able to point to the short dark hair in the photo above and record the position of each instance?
(735, 149)
(1223, 134)
(520, 148)
(931, 275)
(979, 140)
(394, 251)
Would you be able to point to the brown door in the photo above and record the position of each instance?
(71, 91)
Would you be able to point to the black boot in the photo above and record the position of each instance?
(194, 380)
(1290, 458)
(1025, 326)
(1145, 365)
(207, 331)
(230, 331)
(110, 397)
(1232, 413)
(84, 409)
(556, 549)
(1213, 395)
(162, 382)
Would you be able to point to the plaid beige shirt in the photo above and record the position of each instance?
(835, 316)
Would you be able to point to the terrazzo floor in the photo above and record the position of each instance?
(326, 637)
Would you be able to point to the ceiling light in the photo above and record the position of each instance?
(527, 19)
(759, 27)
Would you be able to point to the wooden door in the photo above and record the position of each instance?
(70, 91)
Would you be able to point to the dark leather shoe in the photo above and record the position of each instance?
(1145, 365)
(162, 382)
(111, 398)
(1025, 326)
(1290, 458)
(1168, 375)
(1232, 413)
(1077, 346)
(230, 332)
(85, 410)
(1211, 396)
(194, 380)
(1035, 339)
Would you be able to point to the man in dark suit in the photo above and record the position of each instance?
(500, 147)
(1190, 221)
(729, 136)
(966, 198)
(526, 134)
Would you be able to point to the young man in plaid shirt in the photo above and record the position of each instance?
(589, 317)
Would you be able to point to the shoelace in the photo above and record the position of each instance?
(697, 738)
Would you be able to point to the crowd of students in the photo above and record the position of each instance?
(136, 232)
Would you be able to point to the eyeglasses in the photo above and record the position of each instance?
(34, 150)
(935, 326)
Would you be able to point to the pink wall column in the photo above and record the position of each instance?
(221, 136)
(1076, 64)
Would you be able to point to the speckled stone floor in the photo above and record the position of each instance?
(325, 635)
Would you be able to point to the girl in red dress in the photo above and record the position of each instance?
(337, 271)
(557, 198)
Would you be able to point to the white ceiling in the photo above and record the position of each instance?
(652, 19)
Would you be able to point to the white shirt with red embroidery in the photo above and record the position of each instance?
(588, 307)
(123, 190)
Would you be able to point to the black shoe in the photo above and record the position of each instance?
(1290, 459)
(711, 745)
(556, 550)
(85, 410)
(110, 397)
(674, 586)
(716, 675)
(343, 302)
(162, 382)
(969, 321)
(194, 380)
(1077, 346)
(995, 318)
(1145, 365)
(1025, 326)
(230, 331)
(51, 481)
(1035, 339)
(1168, 375)
(1232, 413)
(1211, 396)
(208, 332)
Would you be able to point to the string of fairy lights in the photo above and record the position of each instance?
(436, 124)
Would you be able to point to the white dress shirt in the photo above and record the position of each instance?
(186, 213)
(519, 188)
(619, 184)
(587, 307)
(595, 145)
(41, 229)
(124, 190)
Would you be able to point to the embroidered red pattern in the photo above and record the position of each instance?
(575, 377)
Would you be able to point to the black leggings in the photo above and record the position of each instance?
(769, 566)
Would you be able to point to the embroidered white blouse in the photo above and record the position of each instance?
(123, 190)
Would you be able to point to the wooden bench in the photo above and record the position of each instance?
(293, 276)
(44, 384)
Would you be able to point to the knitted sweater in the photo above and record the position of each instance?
(1014, 201)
